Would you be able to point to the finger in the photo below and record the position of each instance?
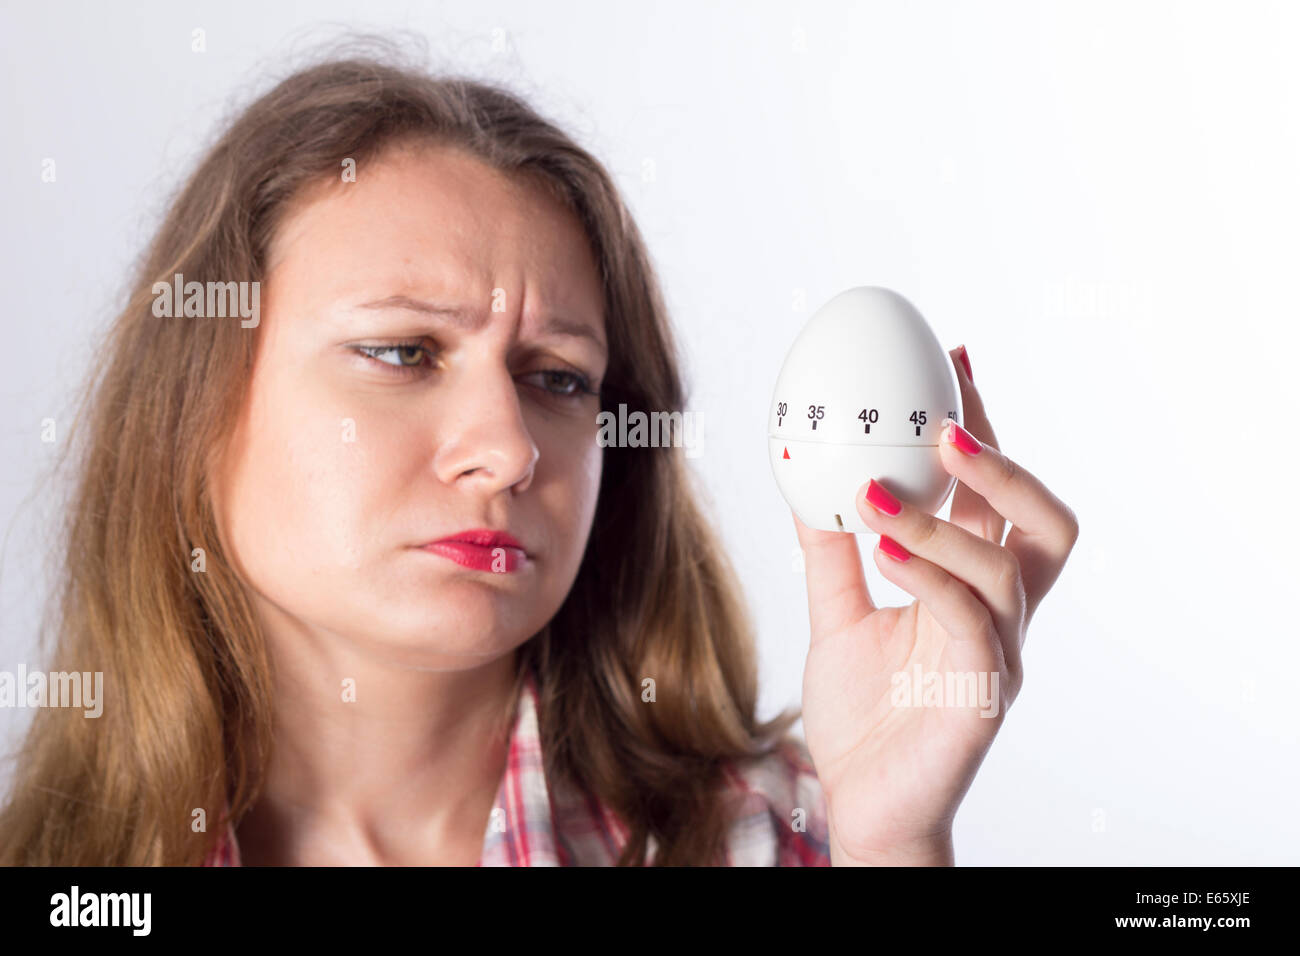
(1044, 528)
(949, 601)
(990, 571)
(970, 510)
(837, 587)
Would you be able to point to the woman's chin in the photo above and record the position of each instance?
(438, 641)
(437, 654)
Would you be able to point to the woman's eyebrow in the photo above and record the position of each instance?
(471, 320)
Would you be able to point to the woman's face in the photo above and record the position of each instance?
(346, 461)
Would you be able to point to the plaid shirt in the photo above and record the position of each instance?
(539, 822)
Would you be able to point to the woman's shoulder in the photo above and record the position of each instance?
(781, 816)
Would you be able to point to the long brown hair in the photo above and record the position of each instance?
(184, 662)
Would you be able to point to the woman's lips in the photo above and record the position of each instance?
(499, 559)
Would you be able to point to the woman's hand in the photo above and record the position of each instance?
(894, 771)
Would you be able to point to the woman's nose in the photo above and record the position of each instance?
(481, 434)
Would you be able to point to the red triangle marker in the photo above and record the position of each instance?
(787, 453)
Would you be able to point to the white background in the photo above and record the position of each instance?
(1099, 199)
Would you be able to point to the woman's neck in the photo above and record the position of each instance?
(376, 763)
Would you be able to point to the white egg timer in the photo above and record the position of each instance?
(862, 394)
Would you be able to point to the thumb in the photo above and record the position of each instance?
(837, 588)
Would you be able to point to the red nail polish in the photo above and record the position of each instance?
(893, 548)
(963, 440)
(965, 361)
(882, 500)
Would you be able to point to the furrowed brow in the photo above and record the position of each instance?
(470, 320)
(459, 316)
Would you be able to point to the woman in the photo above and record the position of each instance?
(302, 667)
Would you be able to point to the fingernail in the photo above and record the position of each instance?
(959, 437)
(965, 361)
(893, 548)
(882, 500)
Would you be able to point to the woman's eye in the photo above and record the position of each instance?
(564, 384)
(403, 356)
(408, 358)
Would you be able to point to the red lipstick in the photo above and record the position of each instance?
(481, 549)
